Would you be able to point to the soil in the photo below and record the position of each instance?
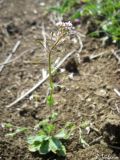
(87, 96)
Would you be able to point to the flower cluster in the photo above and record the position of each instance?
(65, 25)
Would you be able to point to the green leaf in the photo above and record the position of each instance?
(66, 132)
(34, 147)
(57, 147)
(76, 15)
(37, 138)
(85, 124)
(48, 128)
(83, 143)
(41, 132)
(10, 134)
(41, 123)
(62, 151)
(8, 125)
(18, 130)
(69, 128)
(53, 116)
(38, 143)
(21, 129)
(61, 135)
(56, 9)
(53, 145)
(44, 148)
(50, 100)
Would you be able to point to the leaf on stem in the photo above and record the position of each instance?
(50, 100)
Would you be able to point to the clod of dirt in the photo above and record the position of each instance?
(71, 66)
(92, 27)
(2, 40)
(111, 132)
(86, 59)
(28, 113)
(12, 29)
(109, 41)
(1, 44)
(23, 113)
(57, 89)
(31, 22)
(85, 19)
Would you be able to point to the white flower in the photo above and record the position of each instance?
(69, 24)
(59, 24)
(66, 25)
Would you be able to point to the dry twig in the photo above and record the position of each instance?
(115, 53)
(44, 37)
(117, 108)
(10, 55)
(20, 55)
(96, 140)
(97, 55)
(117, 92)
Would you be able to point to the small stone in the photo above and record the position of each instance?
(101, 92)
(42, 4)
(35, 11)
(88, 99)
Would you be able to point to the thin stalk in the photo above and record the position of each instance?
(49, 64)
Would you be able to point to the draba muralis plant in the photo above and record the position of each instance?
(47, 138)
(64, 29)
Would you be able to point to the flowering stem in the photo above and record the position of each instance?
(50, 68)
(63, 29)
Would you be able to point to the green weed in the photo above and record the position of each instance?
(104, 13)
(46, 140)
(65, 7)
